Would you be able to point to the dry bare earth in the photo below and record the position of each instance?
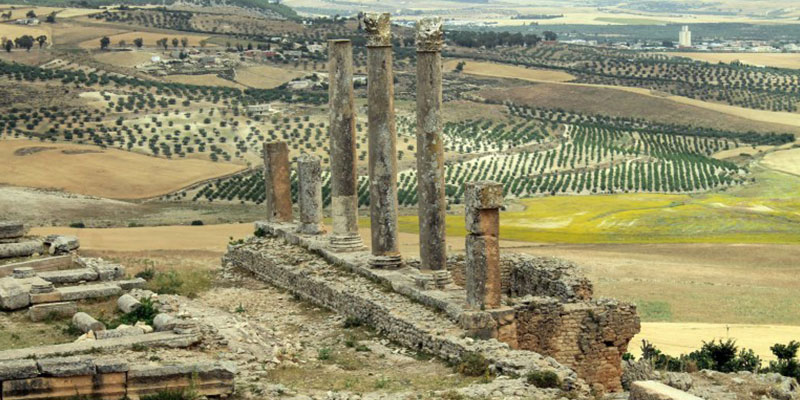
(127, 59)
(106, 173)
(509, 71)
(786, 161)
(204, 79)
(149, 38)
(779, 60)
(265, 76)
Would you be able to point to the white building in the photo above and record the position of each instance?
(685, 37)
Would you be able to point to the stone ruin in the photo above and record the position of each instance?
(522, 313)
(47, 277)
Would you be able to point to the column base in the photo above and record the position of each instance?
(310, 229)
(348, 243)
(428, 280)
(386, 262)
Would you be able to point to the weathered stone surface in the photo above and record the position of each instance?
(23, 272)
(119, 332)
(158, 339)
(89, 291)
(18, 369)
(21, 249)
(430, 146)
(107, 365)
(204, 379)
(127, 303)
(632, 371)
(309, 194)
(61, 244)
(652, 390)
(70, 275)
(379, 29)
(39, 264)
(11, 230)
(483, 195)
(47, 297)
(430, 35)
(135, 283)
(547, 276)
(13, 295)
(382, 133)
(102, 387)
(164, 322)
(66, 366)
(344, 184)
(41, 312)
(106, 271)
(278, 189)
(483, 272)
(86, 323)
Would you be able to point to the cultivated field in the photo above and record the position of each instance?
(778, 60)
(127, 59)
(265, 76)
(93, 171)
(509, 71)
(12, 31)
(202, 79)
(787, 161)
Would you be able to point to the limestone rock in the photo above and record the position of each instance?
(61, 244)
(18, 369)
(86, 323)
(11, 230)
(127, 303)
(41, 312)
(66, 366)
(13, 295)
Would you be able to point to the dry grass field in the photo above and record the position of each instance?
(509, 71)
(203, 79)
(107, 173)
(640, 103)
(70, 34)
(778, 60)
(11, 31)
(149, 38)
(265, 76)
(126, 59)
(20, 11)
(787, 161)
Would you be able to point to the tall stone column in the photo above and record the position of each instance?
(382, 142)
(276, 182)
(482, 202)
(309, 194)
(430, 146)
(344, 179)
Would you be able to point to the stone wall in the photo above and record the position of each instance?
(588, 336)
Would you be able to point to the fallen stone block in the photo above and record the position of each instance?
(127, 303)
(89, 291)
(130, 284)
(13, 295)
(21, 249)
(164, 322)
(18, 369)
(104, 387)
(70, 275)
(49, 297)
(86, 323)
(23, 272)
(107, 365)
(11, 230)
(66, 366)
(39, 265)
(41, 312)
(61, 244)
(158, 339)
(205, 379)
(652, 390)
(119, 332)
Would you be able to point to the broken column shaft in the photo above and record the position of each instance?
(430, 146)
(382, 142)
(482, 201)
(276, 180)
(309, 194)
(344, 179)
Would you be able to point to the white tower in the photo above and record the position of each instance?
(685, 37)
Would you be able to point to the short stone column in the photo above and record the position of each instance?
(382, 143)
(430, 145)
(344, 179)
(276, 181)
(309, 194)
(482, 202)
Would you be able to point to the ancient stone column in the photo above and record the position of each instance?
(309, 194)
(382, 142)
(276, 182)
(482, 202)
(344, 179)
(430, 146)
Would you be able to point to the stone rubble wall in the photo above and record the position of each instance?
(108, 378)
(402, 320)
(589, 336)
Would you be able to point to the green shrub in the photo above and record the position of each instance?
(324, 354)
(79, 225)
(352, 322)
(145, 313)
(543, 379)
(473, 364)
(197, 222)
(260, 233)
(147, 274)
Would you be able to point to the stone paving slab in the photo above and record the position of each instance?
(652, 390)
